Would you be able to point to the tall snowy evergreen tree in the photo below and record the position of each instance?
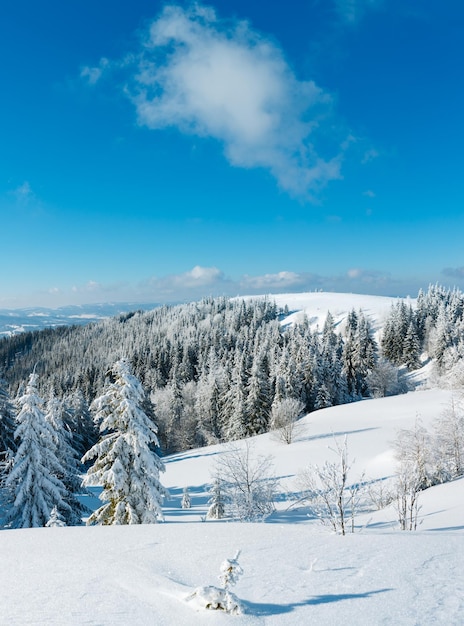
(68, 459)
(125, 463)
(34, 483)
(258, 400)
(7, 423)
(78, 419)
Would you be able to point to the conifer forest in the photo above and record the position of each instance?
(194, 374)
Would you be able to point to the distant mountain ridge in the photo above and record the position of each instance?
(14, 321)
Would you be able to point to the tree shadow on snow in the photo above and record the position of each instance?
(332, 435)
(265, 609)
(182, 456)
(445, 528)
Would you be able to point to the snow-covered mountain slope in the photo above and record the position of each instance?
(315, 306)
(370, 427)
(295, 570)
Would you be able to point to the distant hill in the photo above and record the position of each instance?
(14, 321)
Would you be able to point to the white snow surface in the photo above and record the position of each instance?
(315, 306)
(296, 571)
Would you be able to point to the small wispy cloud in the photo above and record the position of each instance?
(370, 155)
(369, 193)
(368, 277)
(23, 200)
(23, 193)
(218, 79)
(352, 11)
(93, 74)
(454, 272)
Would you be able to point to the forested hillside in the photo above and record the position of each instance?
(219, 369)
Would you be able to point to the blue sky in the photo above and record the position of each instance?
(163, 152)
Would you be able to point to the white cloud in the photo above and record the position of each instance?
(200, 282)
(223, 80)
(198, 277)
(280, 280)
(370, 277)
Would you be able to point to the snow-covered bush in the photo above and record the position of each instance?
(284, 416)
(221, 599)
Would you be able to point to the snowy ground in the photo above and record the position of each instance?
(295, 570)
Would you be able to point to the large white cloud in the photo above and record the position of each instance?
(223, 80)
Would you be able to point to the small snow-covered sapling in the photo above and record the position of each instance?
(231, 571)
(221, 599)
(186, 502)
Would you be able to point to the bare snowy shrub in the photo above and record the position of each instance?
(249, 483)
(380, 493)
(449, 441)
(284, 418)
(331, 498)
(407, 488)
(385, 379)
(413, 449)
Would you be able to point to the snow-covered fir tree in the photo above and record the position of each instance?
(68, 459)
(33, 483)
(55, 521)
(126, 465)
(7, 422)
(186, 501)
(217, 505)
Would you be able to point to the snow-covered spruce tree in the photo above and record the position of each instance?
(7, 422)
(78, 419)
(125, 464)
(186, 501)
(55, 521)
(258, 397)
(68, 459)
(33, 483)
(217, 506)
